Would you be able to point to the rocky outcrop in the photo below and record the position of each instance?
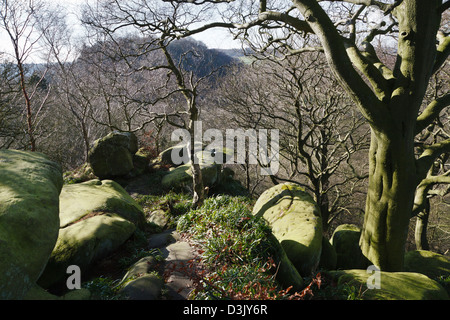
(390, 285)
(428, 263)
(345, 241)
(181, 176)
(141, 282)
(296, 223)
(178, 152)
(83, 243)
(81, 199)
(38, 293)
(97, 217)
(145, 287)
(287, 275)
(29, 222)
(328, 258)
(113, 155)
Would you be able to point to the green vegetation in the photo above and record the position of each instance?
(173, 204)
(234, 249)
(444, 281)
(235, 258)
(102, 288)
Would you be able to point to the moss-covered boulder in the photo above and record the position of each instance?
(141, 161)
(84, 243)
(178, 152)
(96, 218)
(345, 241)
(141, 281)
(144, 287)
(38, 293)
(81, 199)
(428, 263)
(287, 275)
(181, 176)
(389, 285)
(29, 222)
(296, 222)
(112, 155)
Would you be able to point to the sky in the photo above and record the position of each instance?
(217, 38)
(213, 38)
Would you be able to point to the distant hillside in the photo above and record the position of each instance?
(197, 57)
(192, 55)
(237, 55)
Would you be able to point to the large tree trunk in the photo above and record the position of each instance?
(393, 174)
(389, 200)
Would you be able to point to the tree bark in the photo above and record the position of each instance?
(389, 201)
(197, 180)
(30, 128)
(420, 234)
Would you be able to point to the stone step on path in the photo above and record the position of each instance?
(177, 255)
(179, 283)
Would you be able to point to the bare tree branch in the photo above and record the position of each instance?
(443, 51)
(431, 112)
(428, 156)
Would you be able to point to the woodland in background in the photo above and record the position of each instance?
(150, 83)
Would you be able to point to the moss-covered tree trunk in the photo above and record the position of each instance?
(388, 98)
(389, 200)
(391, 106)
(394, 172)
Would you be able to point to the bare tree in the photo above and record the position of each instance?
(435, 133)
(10, 125)
(157, 25)
(390, 99)
(319, 131)
(21, 20)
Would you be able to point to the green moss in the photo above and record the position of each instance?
(393, 285)
(181, 176)
(291, 187)
(295, 221)
(83, 243)
(345, 241)
(112, 155)
(79, 200)
(29, 222)
(428, 263)
(328, 257)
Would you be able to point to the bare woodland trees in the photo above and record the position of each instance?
(22, 21)
(10, 115)
(156, 24)
(390, 99)
(431, 189)
(403, 101)
(319, 130)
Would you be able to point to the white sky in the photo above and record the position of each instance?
(214, 38)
